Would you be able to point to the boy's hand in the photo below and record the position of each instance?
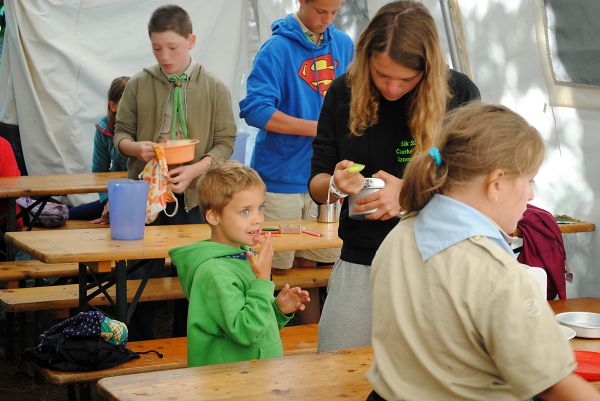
(181, 177)
(261, 264)
(291, 299)
(144, 150)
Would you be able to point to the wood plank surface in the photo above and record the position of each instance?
(579, 305)
(338, 375)
(67, 296)
(296, 340)
(95, 245)
(578, 227)
(158, 289)
(24, 269)
(71, 225)
(60, 184)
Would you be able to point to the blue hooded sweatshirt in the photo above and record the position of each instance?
(292, 75)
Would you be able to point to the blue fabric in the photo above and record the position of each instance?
(444, 222)
(284, 78)
(86, 211)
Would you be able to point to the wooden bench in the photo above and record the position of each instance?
(72, 225)
(13, 272)
(59, 297)
(296, 340)
(62, 297)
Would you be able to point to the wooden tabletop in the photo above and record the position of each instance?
(577, 227)
(338, 375)
(95, 245)
(60, 184)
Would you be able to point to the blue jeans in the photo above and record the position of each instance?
(86, 211)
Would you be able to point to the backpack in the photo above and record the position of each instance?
(87, 341)
(52, 215)
(77, 354)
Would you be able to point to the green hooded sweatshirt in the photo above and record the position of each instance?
(232, 315)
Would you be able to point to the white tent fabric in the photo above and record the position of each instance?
(59, 58)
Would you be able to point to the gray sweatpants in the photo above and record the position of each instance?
(346, 317)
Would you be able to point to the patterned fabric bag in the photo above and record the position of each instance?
(92, 324)
(87, 341)
(156, 173)
(52, 215)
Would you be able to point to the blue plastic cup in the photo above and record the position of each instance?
(127, 208)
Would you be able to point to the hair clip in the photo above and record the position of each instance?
(435, 155)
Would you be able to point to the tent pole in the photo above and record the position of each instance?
(451, 35)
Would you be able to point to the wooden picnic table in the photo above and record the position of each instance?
(54, 185)
(44, 187)
(333, 375)
(94, 249)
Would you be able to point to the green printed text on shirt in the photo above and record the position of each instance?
(405, 151)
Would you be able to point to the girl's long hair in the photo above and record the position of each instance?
(406, 33)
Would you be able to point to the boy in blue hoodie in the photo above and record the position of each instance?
(285, 91)
(232, 314)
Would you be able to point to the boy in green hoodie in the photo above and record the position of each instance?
(233, 315)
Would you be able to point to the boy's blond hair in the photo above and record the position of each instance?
(170, 18)
(222, 180)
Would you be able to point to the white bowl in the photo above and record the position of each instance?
(585, 324)
(567, 332)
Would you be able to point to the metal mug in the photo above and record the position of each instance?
(372, 185)
(327, 212)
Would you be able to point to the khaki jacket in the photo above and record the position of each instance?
(208, 110)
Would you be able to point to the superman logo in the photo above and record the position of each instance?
(318, 72)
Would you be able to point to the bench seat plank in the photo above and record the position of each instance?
(25, 269)
(296, 340)
(67, 296)
(157, 289)
(71, 225)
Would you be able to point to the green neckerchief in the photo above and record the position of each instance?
(178, 109)
(310, 37)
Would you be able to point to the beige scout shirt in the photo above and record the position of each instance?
(469, 324)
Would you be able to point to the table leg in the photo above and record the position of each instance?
(82, 286)
(11, 225)
(121, 290)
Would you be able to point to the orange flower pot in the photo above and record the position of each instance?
(179, 151)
